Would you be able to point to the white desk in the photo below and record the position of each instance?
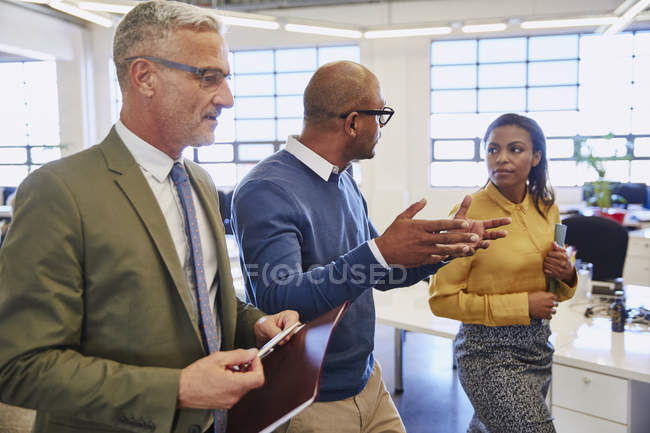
(637, 259)
(601, 379)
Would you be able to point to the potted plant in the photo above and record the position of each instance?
(602, 188)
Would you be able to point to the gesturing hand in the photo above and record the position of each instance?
(409, 242)
(480, 227)
(210, 383)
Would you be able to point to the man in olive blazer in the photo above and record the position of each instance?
(98, 330)
(93, 296)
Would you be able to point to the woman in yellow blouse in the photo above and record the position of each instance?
(500, 294)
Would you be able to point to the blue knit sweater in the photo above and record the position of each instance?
(303, 243)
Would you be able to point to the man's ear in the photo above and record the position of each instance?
(351, 124)
(143, 77)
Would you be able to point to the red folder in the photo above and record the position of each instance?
(292, 375)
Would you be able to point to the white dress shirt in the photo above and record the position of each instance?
(324, 169)
(156, 167)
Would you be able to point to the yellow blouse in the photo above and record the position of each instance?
(491, 288)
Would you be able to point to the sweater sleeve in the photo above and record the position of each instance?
(267, 223)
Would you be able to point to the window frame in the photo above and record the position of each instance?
(29, 146)
(478, 140)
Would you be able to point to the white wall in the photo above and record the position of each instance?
(101, 40)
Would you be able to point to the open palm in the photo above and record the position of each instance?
(480, 227)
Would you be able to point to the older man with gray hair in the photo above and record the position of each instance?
(117, 311)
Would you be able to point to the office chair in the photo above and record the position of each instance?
(601, 241)
(632, 192)
(225, 206)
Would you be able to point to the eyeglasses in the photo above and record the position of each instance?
(384, 114)
(209, 78)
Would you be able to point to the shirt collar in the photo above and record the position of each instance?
(496, 196)
(153, 160)
(311, 159)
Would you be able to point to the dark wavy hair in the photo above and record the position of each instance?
(539, 185)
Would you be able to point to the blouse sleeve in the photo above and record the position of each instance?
(448, 297)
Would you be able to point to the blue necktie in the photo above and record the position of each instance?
(182, 183)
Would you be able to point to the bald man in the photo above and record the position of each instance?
(307, 244)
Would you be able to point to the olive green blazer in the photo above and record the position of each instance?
(94, 305)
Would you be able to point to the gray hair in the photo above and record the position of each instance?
(148, 25)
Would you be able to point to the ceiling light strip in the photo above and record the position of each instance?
(570, 22)
(327, 31)
(80, 13)
(116, 8)
(627, 17)
(402, 33)
(249, 22)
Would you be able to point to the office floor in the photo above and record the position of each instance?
(433, 400)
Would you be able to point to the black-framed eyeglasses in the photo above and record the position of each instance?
(209, 78)
(384, 114)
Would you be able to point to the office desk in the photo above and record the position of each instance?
(601, 379)
(637, 259)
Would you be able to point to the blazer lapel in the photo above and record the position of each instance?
(134, 186)
(228, 304)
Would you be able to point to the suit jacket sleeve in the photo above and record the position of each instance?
(42, 314)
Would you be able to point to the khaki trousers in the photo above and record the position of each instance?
(370, 411)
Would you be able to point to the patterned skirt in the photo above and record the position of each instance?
(506, 372)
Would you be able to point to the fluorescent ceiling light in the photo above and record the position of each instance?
(249, 22)
(35, 1)
(116, 8)
(80, 13)
(627, 17)
(327, 31)
(571, 22)
(482, 28)
(401, 33)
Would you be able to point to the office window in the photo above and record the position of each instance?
(268, 86)
(29, 119)
(116, 93)
(573, 85)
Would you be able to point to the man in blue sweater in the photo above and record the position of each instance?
(307, 244)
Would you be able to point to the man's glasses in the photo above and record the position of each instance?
(384, 114)
(209, 78)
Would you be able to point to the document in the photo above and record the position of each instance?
(292, 375)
